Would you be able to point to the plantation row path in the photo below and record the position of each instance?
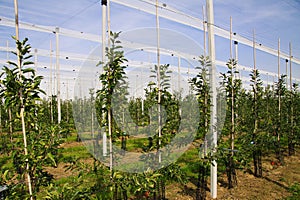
(273, 185)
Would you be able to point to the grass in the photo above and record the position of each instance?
(72, 137)
(189, 162)
(295, 190)
(73, 153)
(134, 144)
(5, 163)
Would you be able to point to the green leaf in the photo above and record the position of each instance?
(52, 159)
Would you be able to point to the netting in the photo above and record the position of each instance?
(141, 53)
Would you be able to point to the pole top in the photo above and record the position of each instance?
(104, 2)
(56, 30)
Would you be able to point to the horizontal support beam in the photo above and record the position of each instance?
(47, 53)
(149, 7)
(168, 14)
(50, 29)
(130, 45)
(174, 15)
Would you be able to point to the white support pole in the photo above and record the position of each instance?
(158, 82)
(108, 22)
(278, 59)
(279, 95)
(58, 76)
(204, 55)
(178, 70)
(67, 100)
(286, 72)
(104, 143)
(204, 31)
(104, 23)
(236, 57)
(236, 43)
(231, 51)
(254, 51)
(104, 3)
(50, 69)
(212, 72)
(230, 38)
(291, 84)
(110, 111)
(51, 85)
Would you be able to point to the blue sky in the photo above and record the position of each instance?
(271, 19)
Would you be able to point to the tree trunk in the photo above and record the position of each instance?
(291, 138)
(278, 145)
(202, 183)
(257, 163)
(231, 174)
(260, 169)
(278, 151)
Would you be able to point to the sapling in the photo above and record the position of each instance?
(20, 89)
(293, 116)
(257, 95)
(280, 91)
(232, 87)
(200, 84)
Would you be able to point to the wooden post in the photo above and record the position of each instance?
(22, 110)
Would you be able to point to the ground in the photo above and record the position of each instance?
(275, 183)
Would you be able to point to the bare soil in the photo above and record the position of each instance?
(273, 185)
